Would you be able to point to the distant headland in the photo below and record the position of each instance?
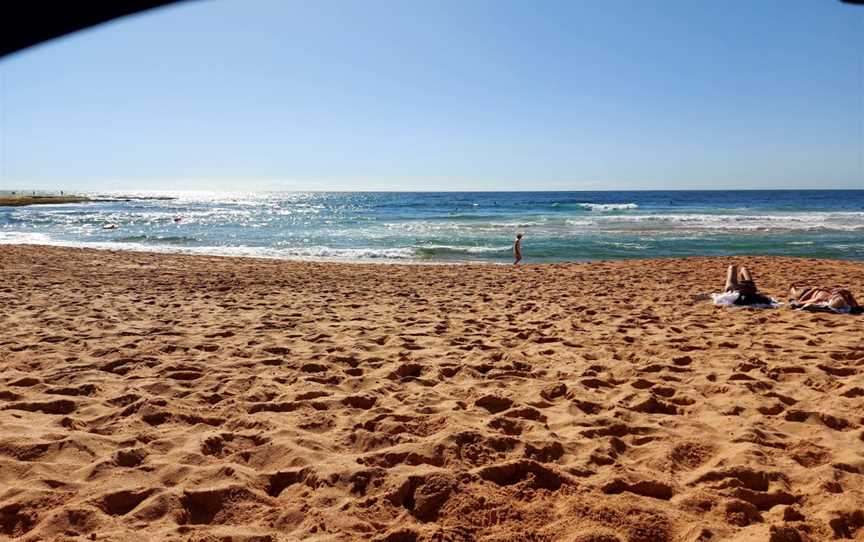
(26, 197)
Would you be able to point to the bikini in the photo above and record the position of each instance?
(810, 293)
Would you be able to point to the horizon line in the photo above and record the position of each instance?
(72, 192)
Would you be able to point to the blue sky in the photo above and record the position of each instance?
(444, 95)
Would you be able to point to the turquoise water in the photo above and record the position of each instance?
(452, 227)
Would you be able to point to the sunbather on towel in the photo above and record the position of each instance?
(740, 281)
(815, 298)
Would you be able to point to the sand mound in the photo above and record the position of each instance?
(157, 397)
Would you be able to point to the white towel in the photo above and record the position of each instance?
(727, 299)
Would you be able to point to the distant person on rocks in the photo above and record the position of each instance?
(517, 249)
(825, 299)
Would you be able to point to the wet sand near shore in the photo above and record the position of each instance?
(172, 397)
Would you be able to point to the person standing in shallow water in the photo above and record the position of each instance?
(517, 249)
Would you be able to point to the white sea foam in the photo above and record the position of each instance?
(608, 206)
(303, 253)
(664, 222)
(845, 221)
(23, 238)
(859, 247)
(468, 249)
(628, 246)
(350, 253)
(319, 252)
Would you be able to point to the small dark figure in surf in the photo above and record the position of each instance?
(177, 219)
(517, 249)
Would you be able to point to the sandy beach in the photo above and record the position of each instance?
(170, 397)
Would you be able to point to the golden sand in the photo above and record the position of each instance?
(161, 397)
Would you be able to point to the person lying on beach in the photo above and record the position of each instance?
(740, 289)
(517, 249)
(831, 299)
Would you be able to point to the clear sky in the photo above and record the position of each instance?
(444, 95)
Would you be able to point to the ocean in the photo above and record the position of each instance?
(456, 226)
